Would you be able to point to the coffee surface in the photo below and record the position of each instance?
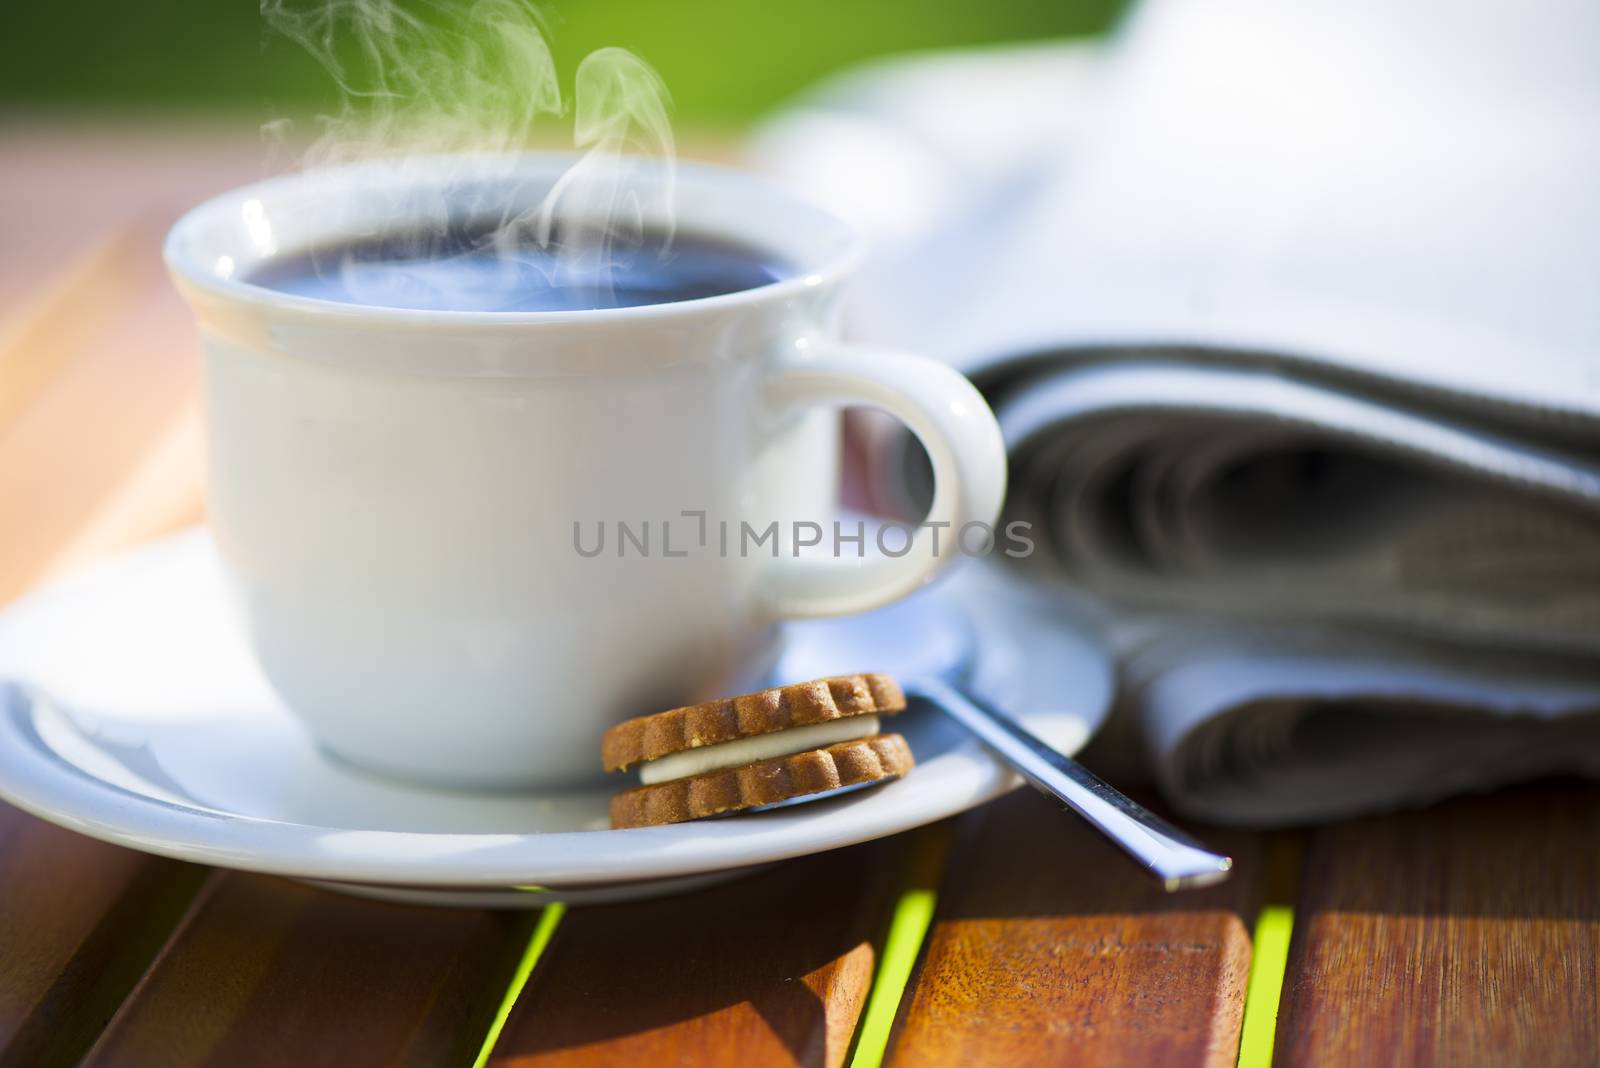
(467, 271)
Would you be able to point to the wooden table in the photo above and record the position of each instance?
(1467, 934)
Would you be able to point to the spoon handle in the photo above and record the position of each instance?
(1179, 861)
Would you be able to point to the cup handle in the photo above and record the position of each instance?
(953, 422)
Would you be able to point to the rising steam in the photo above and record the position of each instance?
(621, 112)
(428, 79)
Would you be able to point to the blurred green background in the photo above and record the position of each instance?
(725, 61)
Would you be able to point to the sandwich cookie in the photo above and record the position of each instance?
(756, 750)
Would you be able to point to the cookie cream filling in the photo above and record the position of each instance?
(742, 751)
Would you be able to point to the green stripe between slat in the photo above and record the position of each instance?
(1269, 961)
(913, 913)
(542, 932)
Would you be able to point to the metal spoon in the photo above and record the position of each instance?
(933, 652)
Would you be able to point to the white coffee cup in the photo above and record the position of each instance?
(400, 496)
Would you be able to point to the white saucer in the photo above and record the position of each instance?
(138, 717)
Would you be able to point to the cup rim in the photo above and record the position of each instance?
(192, 261)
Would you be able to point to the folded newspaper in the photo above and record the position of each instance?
(1291, 317)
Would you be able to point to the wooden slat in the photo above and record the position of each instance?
(1467, 934)
(99, 443)
(1049, 947)
(68, 186)
(771, 970)
(99, 448)
(269, 972)
(79, 922)
(99, 426)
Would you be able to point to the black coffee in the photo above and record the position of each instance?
(475, 271)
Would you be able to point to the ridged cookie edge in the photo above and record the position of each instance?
(779, 708)
(766, 782)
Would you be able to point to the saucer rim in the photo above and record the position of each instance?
(36, 779)
(53, 790)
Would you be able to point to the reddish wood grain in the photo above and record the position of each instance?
(770, 970)
(99, 447)
(79, 923)
(99, 442)
(1467, 934)
(268, 972)
(96, 449)
(1049, 947)
(71, 185)
(99, 427)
